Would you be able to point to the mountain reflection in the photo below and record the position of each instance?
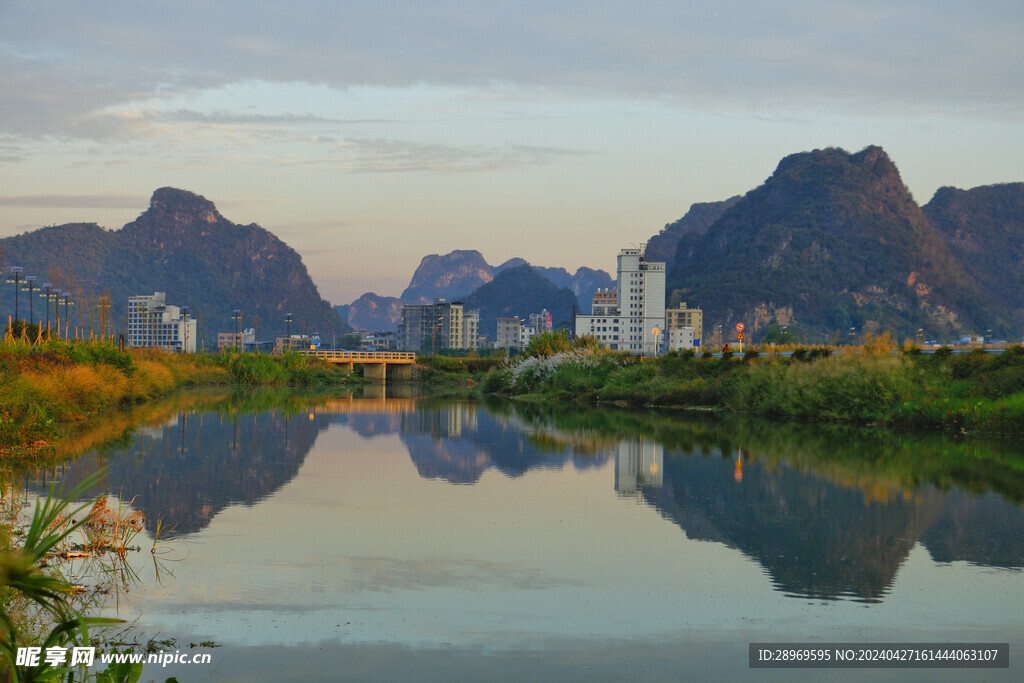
(189, 469)
(828, 513)
(459, 442)
(815, 539)
(820, 526)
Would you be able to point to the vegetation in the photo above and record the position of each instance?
(881, 461)
(834, 240)
(39, 606)
(446, 376)
(517, 292)
(868, 384)
(47, 388)
(182, 246)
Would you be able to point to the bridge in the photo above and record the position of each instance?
(376, 364)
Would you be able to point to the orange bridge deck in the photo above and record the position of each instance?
(375, 363)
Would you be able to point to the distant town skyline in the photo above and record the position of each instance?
(369, 136)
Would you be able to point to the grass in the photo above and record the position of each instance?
(48, 388)
(873, 459)
(867, 385)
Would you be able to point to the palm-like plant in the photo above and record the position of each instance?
(23, 570)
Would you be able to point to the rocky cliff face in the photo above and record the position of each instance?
(182, 246)
(697, 221)
(984, 228)
(830, 241)
(451, 276)
(457, 275)
(375, 313)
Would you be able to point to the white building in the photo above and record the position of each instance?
(526, 335)
(680, 338)
(638, 463)
(636, 324)
(154, 324)
(508, 333)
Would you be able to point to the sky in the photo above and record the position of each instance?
(367, 135)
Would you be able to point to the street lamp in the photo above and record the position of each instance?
(433, 344)
(104, 308)
(15, 277)
(31, 281)
(49, 294)
(185, 317)
(236, 315)
(68, 303)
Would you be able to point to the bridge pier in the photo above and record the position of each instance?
(401, 373)
(376, 372)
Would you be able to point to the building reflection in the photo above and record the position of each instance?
(816, 532)
(638, 463)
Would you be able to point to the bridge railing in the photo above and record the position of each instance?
(357, 356)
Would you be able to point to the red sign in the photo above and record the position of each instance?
(739, 327)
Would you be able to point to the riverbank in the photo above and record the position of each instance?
(861, 385)
(47, 389)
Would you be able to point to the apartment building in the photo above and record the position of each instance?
(636, 322)
(693, 318)
(152, 323)
(440, 325)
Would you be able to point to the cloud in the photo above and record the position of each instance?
(392, 156)
(65, 67)
(231, 118)
(69, 201)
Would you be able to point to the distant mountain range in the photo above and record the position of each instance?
(182, 246)
(460, 275)
(834, 241)
(831, 244)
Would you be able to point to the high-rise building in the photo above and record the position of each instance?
(636, 323)
(440, 325)
(471, 330)
(154, 324)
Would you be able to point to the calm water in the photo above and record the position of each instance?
(393, 539)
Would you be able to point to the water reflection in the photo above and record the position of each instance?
(828, 514)
(639, 464)
(187, 470)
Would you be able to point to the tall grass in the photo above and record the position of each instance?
(46, 387)
(869, 384)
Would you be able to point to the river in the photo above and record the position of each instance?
(390, 538)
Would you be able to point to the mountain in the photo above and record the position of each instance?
(456, 275)
(374, 313)
(830, 241)
(697, 221)
(451, 276)
(984, 228)
(182, 246)
(519, 291)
